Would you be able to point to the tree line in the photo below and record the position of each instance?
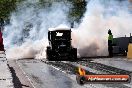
(76, 11)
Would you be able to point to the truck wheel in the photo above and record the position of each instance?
(49, 54)
(74, 54)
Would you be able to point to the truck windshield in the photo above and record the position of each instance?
(65, 35)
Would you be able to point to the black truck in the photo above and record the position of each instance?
(120, 45)
(60, 48)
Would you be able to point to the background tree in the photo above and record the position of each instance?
(76, 11)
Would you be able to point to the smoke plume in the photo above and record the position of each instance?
(102, 15)
(26, 36)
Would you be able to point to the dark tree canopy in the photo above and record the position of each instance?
(78, 9)
(75, 13)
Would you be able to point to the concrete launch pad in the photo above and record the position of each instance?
(33, 73)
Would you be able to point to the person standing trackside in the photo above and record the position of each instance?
(110, 43)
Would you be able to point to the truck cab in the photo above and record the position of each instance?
(60, 48)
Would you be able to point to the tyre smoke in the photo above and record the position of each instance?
(26, 36)
(102, 15)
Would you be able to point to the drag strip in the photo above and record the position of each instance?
(70, 68)
(44, 76)
(105, 68)
(59, 74)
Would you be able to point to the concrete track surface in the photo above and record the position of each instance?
(5, 74)
(30, 73)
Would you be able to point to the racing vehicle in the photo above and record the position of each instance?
(60, 48)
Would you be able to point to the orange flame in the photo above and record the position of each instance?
(81, 71)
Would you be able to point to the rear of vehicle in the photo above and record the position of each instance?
(60, 48)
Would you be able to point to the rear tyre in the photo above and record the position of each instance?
(74, 54)
(49, 54)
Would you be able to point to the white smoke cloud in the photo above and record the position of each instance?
(90, 37)
(101, 15)
(26, 36)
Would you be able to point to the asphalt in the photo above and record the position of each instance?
(5, 73)
(32, 73)
(20, 80)
(45, 76)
